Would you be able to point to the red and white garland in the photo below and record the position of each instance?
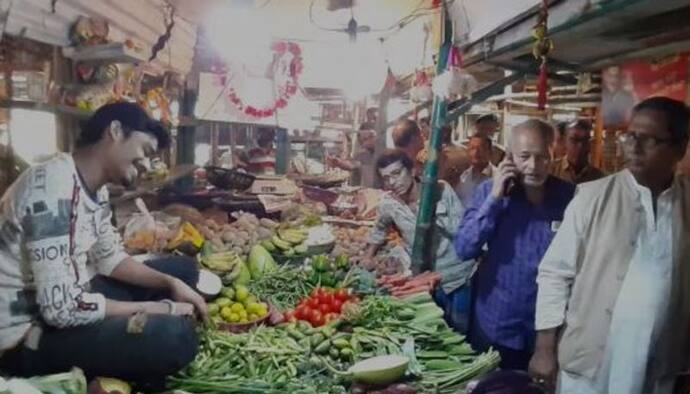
(286, 69)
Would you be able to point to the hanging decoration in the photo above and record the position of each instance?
(284, 71)
(541, 49)
(421, 88)
(454, 82)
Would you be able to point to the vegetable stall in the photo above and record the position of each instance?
(314, 335)
(293, 314)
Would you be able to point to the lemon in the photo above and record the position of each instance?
(241, 293)
(262, 311)
(252, 317)
(249, 300)
(253, 307)
(223, 301)
(243, 314)
(237, 307)
(228, 292)
(226, 312)
(244, 320)
(234, 318)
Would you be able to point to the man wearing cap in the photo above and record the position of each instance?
(69, 293)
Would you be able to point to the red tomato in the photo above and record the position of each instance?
(313, 302)
(303, 312)
(318, 292)
(326, 299)
(325, 308)
(337, 306)
(316, 318)
(342, 294)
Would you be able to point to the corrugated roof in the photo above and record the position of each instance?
(141, 20)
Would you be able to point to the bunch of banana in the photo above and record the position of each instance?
(220, 262)
(288, 242)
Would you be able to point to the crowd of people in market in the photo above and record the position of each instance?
(572, 275)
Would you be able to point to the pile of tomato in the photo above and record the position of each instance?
(323, 306)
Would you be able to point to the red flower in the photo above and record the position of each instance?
(279, 47)
(294, 49)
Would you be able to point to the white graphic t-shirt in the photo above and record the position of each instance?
(54, 238)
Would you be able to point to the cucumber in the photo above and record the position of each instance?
(295, 334)
(340, 343)
(328, 331)
(323, 348)
(356, 347)
(341, 335)
(346, 354)
(316, 339)
(304, 326)
(305, 344)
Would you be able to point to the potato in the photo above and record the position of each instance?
(228, 236)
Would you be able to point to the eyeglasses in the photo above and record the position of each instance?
(647, 142)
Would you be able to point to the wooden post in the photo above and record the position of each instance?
(214, 143)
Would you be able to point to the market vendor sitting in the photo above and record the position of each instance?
(399, 208)
(70, 296)
(261, 160)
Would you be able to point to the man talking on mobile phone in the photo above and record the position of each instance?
(515, 214)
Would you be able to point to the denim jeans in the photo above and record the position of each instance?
(166, 345)
(456, 307)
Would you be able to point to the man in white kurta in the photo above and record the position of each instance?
(641, 303)
(612, 306)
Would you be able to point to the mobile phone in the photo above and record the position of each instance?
(510, 183)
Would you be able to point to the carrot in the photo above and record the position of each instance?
(400, 293)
